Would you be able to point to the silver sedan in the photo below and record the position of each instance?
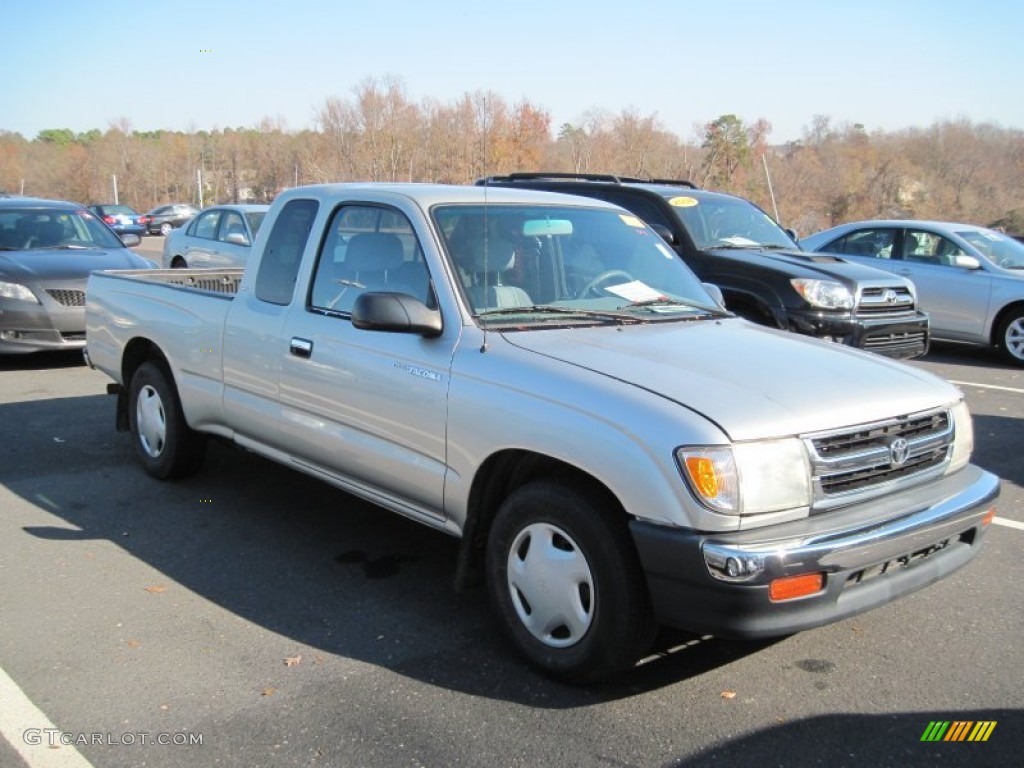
(968, 278)
(219, 237)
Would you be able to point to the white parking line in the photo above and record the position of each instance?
(986, 386)
(21, 722)
(1008, 523)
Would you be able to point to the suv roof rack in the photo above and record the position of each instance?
(606, 177)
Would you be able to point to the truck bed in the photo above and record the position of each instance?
(215, 281)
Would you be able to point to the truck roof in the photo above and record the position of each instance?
(428, 195)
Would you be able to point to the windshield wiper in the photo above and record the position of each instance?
(613, 317)
(666, 302)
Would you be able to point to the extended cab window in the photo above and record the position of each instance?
(368, 248)
(279, 266)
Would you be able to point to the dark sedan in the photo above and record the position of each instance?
(47, 250)
(162, 219)
(123, 219)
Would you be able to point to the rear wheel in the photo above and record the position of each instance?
(164, 442)
(165, 228)
(566, 582)
(1010, 337)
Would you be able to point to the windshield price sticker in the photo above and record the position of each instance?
(635, 291)
(683, 202)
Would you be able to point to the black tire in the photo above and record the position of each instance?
(178, 263)
(165, 444)
(594, 571)
(165, 228)
(1010, 337)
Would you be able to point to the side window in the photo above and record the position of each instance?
(929, 248)
(876, 243)
(206, 225)
(368, 248)
(279, 266)
(232, 224)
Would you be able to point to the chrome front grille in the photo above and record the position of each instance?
(896, 339)
(879, 301)
(848, 464)
(67, 297)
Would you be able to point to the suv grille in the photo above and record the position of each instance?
(855, 461)
(887, 300)
(69, 298)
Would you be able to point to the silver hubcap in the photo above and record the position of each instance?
(151, 421)
(551, 585)
(1014, 338)
(165, 229)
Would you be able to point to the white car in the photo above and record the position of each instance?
(969, 279)
(218, 238)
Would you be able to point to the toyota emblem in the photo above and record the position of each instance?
(899, 451)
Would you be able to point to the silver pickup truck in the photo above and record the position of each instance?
(541, 376)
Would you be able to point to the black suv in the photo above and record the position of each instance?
(763, 274)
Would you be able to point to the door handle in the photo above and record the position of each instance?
(301, 347)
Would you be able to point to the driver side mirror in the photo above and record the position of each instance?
(237, 238)
(966, 262)
(665, 233)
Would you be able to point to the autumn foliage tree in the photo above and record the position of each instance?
(952, 170)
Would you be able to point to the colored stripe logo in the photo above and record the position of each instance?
(958, 730)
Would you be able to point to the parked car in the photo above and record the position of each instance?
(969, 279)
(613, 456)
(123, 219)
(217, 238)
(162, 219)
(47, 250)
(763, 274)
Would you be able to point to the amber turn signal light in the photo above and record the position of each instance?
(989, 516)
(791, 587)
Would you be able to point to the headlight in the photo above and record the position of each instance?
(17, 291)
(826, 294)
(963, 438)
(748, 478)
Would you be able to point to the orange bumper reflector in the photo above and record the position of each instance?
(988, 516)
(796, 586)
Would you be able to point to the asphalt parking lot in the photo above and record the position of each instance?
(278, 622)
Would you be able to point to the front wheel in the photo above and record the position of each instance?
(566, 582)
(164, 442)
(1010, 337)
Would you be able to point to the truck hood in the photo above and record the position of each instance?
(807, 264)
(753, 382)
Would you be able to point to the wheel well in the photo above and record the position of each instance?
(997, 322)
(499, 475)
(178, 262)
(750, 308)
(137, 352)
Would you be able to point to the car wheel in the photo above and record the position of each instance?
(166, 445)
(178, 263)
(1010, 337)
(566, 582)
(165, 228)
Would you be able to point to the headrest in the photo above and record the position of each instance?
(374, 251)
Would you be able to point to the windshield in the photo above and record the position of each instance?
(722, 222)
(563, 264)
(999, 248)
(28, 229)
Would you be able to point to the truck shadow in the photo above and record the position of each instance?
(298, 558)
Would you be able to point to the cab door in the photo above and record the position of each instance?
(368, 408)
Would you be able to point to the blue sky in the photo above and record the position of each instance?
(188, 65)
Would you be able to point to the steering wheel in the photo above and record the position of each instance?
(602, 278)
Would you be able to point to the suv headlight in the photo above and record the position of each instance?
(825, 294)
(17, 291)
(748, 478)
